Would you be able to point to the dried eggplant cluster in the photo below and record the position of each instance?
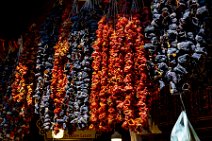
(64, 69)
(17, 109)
(176, 42)
(44, 64)
(120, 90)
(78, 86)
(79, 69)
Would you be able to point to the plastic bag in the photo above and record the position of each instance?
(74, 10)
(88, 5)
(183, 130)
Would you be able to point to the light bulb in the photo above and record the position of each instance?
(116, 136)
(58, 135)
(116, 139)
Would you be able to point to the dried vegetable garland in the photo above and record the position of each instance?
(120, 91)
(44, 64)
(8, 62)
(79, 75)
(7, 67)
(7, 47)
(98, 96)
(63, 80)
(59, 79)
(177, 42)
(18, 103)
(69, 95)
(79, 79)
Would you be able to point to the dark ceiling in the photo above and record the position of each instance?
(16, 15)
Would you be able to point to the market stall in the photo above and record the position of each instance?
(104, 69)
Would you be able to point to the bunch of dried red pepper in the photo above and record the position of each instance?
(120, 87)
(17, 108)
(59, 79)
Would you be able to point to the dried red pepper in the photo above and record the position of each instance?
(120, 85)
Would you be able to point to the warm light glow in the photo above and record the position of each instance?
(59, 135)
(116, 136)
(116, 139)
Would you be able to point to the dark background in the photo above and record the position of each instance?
(17, 15)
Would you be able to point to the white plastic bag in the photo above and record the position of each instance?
(183, 130)
(88, 5)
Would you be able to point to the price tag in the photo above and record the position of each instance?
(79, 134)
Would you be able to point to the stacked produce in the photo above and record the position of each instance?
(177, 42)
(44, 106)
(17, 106)
(120, 91)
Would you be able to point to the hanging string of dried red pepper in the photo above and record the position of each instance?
(19, 105)
(120, 85)
(59, 79)
(96, 65)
